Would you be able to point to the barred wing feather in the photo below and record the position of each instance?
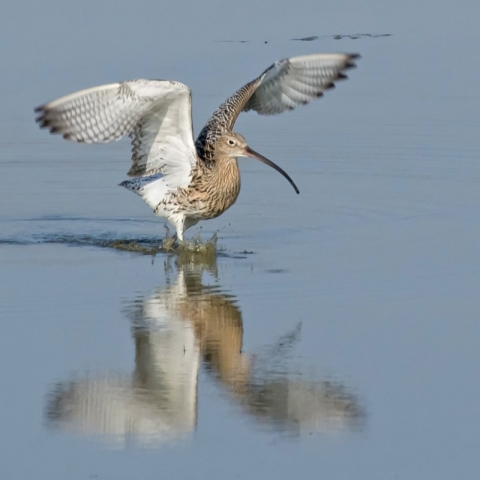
(156, 114)
(285, 85)
(296, 81)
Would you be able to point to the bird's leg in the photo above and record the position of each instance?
(180, 228)
(167, 230)
(179, 235)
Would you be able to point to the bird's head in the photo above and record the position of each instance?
(233, 145)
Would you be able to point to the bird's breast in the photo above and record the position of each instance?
(216, 191)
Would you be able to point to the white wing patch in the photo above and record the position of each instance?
(297, 81)
(156, 114)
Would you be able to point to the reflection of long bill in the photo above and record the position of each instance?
(253, 154)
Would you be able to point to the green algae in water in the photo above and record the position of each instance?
(196, 245)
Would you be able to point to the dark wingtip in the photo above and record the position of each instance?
(40, 118)
(41, 114)
(342, 76)
(350, 62)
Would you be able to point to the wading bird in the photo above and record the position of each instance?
(182, 180)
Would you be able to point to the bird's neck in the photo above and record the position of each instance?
(221, 178)
(226, 174)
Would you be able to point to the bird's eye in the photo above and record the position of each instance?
(231, 142)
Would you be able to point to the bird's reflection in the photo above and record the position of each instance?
(177, 329)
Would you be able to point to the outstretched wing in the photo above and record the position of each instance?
(285, 85)
(156, 114)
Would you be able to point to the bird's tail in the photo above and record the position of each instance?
(152, 188)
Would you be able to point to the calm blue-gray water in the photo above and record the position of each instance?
(335, 334)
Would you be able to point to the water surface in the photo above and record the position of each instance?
(336, 332)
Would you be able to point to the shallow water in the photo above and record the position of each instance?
(335, 333)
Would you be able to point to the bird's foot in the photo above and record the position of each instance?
(169, 243)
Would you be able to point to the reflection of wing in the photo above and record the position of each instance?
(111, 406)
(157, 404)
(285, 85)
(287, 402)
(155, 113)
(295, 403)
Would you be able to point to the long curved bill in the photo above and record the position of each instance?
(253, 154)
